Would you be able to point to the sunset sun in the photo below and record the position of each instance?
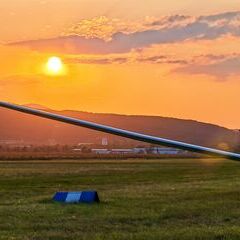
(54, 66)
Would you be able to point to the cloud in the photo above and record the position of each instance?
(169, 21)
(228, 16)
(158, 59)
(219, 69)
(161, 60)
(102, 27)
(101, 61)
(118, 37)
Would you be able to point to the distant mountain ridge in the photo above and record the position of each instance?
(35, 130)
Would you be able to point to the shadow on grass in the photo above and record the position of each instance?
(51, 201)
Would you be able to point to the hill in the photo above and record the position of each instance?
(34, 130)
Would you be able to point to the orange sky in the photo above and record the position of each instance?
(177, 59)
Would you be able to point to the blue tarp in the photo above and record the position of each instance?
(76, 197)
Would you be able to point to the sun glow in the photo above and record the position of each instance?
(55, 66)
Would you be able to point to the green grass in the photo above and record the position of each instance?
(140, 199)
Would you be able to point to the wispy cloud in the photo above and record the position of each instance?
(158, 59)
(99, 60)
(221, 68)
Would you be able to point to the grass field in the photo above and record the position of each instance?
(141, 199)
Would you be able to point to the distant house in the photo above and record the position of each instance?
(166, 151)
(122, 151)
(77, 150)
(141, 150)
(100, 151)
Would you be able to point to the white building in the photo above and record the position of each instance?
(122, 151)
(140, 150)
(166, 151)
(104, 141)
(100, 151)
(77, 150)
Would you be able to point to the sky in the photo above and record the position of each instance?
(166, 58)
